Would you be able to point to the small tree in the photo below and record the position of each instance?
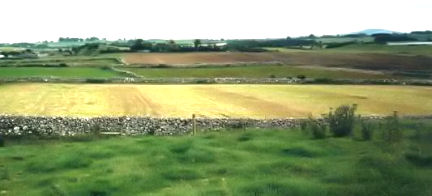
(140, 44)
(197, 43)
(341, 122)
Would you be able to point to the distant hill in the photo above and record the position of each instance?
(375, 31)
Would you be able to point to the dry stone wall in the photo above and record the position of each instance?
(67, 126)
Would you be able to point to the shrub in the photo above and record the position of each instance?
(392, 129)
(301, 77)
(204, 81)
(316, 128)
(163, 66)
(96, 81)
(366, 130)
(338, 45)
(1, 141)
(341, 122)
(419, 160)
(95, 130)
(303, 126)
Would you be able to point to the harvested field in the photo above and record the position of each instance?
(348, 60)
(255, 101)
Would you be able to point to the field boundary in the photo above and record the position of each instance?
(142, 80)
(72, 126)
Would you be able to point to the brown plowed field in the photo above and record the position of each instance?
(349, 60)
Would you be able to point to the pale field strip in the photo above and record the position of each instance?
(215, 101)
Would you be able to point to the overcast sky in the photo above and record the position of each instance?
(38, 20)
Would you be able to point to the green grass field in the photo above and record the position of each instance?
(72, 61)
(379, 48)
(256, 71)
(66, 72)
(251, 162)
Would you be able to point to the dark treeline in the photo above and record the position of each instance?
(256, 45)
(422, 32)
(384, 38)
(172, 46)
(72, 39)
(94, 45)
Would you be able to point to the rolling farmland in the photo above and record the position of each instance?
(339, 59)
(402, 65)
(247, 101)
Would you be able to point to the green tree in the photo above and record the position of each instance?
(140, 44)
(197, 43)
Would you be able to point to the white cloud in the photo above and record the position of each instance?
(29, 20)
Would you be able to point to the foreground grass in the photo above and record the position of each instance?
(252, 162)
(254, 71)
(69, 72)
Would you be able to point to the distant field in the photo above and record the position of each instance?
(197, 57)
(258, 101)
(9, 49)
(366, 48)
(66, 72)
(72, 61)
(379, 48)
(366, 61)
(257, 71)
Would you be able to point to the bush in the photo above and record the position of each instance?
(339, 44)
(1, 141)
(392, 129)
(419, 160)
(316, 128)
(303, 126)
(366, 130)
(341, 122)
(301, 77)
(95, 81)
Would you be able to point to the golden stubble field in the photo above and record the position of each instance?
(254, 101)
